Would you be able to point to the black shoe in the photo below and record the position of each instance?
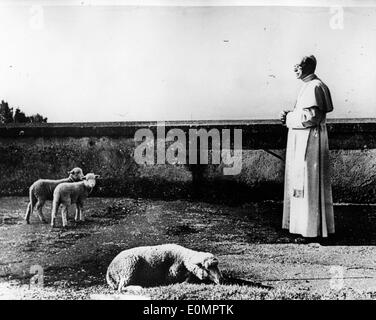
(301, 240)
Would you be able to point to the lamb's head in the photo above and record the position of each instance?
(89, 180)
(76, 174)
(208, 268)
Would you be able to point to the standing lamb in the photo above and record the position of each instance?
(43, 189)
(161, 264)
(69, 193)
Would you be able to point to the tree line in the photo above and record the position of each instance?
(8, 116)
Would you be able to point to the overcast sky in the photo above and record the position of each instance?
(115, 63)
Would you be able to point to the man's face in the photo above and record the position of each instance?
(298, 69)
(303, 68)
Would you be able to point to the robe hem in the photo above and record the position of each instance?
(321, 236)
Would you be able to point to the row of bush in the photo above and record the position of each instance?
(8, 116)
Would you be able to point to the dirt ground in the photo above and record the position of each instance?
(257, 258)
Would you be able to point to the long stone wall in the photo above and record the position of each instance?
(29, 152)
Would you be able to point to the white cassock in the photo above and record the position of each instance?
(308, 204)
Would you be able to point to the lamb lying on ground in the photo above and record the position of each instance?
(43, 189)
(162, 264)
(69, 193)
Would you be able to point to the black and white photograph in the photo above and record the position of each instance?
(188, 150)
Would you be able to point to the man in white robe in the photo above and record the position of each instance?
(308, 204)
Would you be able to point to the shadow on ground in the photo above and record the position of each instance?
(242, 282)
(355, 225)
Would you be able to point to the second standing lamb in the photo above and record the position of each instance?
(72, 193)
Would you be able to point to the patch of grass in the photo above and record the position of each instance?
(65, 290)
(180, 229)
(245, 292)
